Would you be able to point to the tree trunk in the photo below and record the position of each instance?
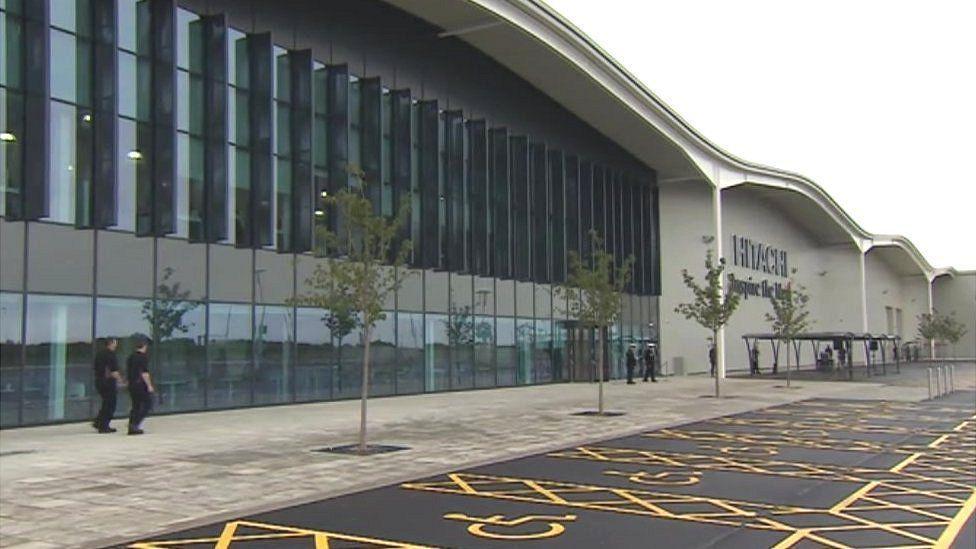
(599, 366)
(718, 391)
(365, 393)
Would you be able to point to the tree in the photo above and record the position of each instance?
(710, 308)
(355, 286)
(936, 327)
(593, 292)
(790, 315)
(165, 313)
(952, 330)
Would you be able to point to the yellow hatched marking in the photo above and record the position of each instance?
(956, 524)
(321, 539)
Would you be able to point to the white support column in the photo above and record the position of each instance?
(717, 209)
(928, 287)
(862, 248)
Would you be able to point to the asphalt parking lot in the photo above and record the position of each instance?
(816, 473)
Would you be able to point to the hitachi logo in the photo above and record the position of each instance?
(758, 256)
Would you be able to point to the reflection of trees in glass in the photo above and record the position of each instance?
(460, 325)
(340, 322)
(483, 332)
(165, 316)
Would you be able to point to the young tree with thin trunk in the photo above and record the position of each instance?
(593, 292)
(790, 316)
(711, 308)
(936, 327)
(357, 283)
(952, 331)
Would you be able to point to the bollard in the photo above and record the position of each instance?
(929, 370)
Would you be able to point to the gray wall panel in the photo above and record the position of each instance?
(12, 252)
(230, 274)
(124, 264)
(65, 266)
(188, 266)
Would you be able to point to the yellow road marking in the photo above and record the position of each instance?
(956, 524)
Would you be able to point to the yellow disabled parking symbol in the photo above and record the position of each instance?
(480, 525)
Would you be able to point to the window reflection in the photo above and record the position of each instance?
(314, 367)
(61, 200)
(229, 355)
(11, 309)
(437, 360)
(410, 353)
(382, 357)
(505, 351)
(57, 374)
(121, 319)
(484, 351)
(273, 354)
(460, 336)
(524, 332)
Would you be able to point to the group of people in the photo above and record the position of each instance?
(649, 358)
(108, 381)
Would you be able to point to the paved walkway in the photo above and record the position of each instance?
(67, 486)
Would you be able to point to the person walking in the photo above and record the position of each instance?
(631, 363)
(141, 388)
(650, 356)
(107, 381)
(712, 358)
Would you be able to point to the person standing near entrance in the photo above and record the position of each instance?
(712, 358)
(631, 363)
(107, 381)
(141, 388)
(650, 356)
(754, 361)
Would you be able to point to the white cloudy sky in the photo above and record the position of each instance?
(874, 100)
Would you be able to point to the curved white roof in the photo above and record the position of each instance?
(544, 48)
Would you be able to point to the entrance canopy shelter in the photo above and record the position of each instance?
(842, 342)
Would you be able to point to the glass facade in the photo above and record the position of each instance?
(182, 161)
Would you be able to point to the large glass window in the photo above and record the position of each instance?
(382, 357)
(543, 351)
(125, 198)
(273, 354)
(62, 135)
(349, 363)
(121, 319)
(57, 374)
(229, 355)
(484, 351)
(11, 310)
(437, 357)
(314, 368)
(524, 332)
(63, 66)
(179, 355)
(410, 353)
(505, 351)
(460, 334)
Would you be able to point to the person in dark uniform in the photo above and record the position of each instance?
(712, 358)
(631, 363)
(754, 361)
(141, 388)
(650, 356)
(107, 381)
